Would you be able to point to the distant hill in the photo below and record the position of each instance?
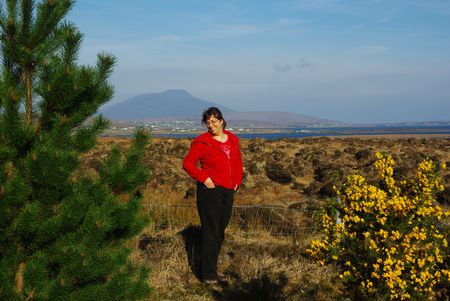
(180, 105)
(171, 104)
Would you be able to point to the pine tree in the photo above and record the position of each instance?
(63, 234)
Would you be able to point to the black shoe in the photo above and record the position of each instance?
(210, 281)
(222, 279)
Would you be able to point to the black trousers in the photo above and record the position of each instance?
(214, 208)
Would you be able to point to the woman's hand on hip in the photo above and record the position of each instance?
(209, 183)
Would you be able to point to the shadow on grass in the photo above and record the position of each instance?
(191, 236)
(263, 288)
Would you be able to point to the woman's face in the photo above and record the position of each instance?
(214, 125)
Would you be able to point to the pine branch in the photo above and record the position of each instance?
(49, 14)
(85, 138)
(71, 43)
(27, 18)
(105, 64)
(124, 173)
(12, 9)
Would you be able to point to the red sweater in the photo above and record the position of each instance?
(223, 171)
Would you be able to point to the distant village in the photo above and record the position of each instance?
(191, 128)
(126, 128)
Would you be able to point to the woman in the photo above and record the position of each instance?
(218, 177)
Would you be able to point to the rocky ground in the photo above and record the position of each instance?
(285, 182)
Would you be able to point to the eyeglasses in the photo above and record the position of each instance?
(212, 122)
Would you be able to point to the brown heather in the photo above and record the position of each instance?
(275, 217)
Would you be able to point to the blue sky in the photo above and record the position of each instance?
(355, 61)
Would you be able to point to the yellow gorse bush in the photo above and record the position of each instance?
(388, 242)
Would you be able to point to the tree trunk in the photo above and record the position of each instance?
(29, 98)
(19, 278)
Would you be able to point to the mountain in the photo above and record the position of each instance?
(171, 104)
(180, 105)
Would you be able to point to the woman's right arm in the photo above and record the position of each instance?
(190, 162)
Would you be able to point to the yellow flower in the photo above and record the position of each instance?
(393, 229)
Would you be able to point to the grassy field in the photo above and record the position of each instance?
(275, 216)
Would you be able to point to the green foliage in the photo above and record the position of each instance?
(62, 237)
(390, 244)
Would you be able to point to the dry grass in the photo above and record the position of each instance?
(259, 268)
(263, 255)
(260, 264)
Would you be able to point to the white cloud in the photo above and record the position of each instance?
(369, 50)
(230, 30)
(285, 66)
(387, 18)
(282, 67)
(304, 64)
(441, 7)
(175, 38)
(333, 6)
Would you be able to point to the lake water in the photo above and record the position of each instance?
(335, 131)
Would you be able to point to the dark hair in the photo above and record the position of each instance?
(213, 111)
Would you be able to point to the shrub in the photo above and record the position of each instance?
(389, 244)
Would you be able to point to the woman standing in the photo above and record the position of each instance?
(218, 177)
